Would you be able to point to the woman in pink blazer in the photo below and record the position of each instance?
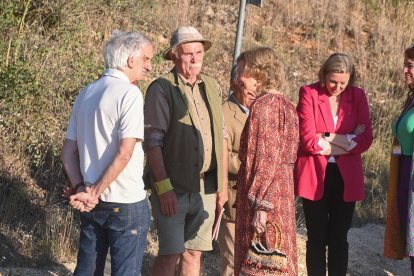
(335, 129)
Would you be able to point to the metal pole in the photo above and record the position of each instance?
(240, 27)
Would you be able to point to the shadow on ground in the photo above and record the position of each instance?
(22, 244)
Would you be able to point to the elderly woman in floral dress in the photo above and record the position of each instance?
(268, 146)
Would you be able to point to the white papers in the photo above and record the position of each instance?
(219, 215)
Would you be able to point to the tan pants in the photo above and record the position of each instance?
(226, 241)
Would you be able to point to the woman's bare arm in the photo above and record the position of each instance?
(341, 140)
(335, 150)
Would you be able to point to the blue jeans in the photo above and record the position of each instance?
(121, 227)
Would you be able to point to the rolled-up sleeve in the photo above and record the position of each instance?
(363, 141)
(307, 127)
(352, 143)
(156, 117)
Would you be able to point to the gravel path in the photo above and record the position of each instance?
(365, 257)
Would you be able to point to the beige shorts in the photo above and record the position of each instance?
(190, 228)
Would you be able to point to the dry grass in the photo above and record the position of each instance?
(49, 50)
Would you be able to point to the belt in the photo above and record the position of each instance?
(201, 175)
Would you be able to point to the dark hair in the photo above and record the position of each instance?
(409, 53)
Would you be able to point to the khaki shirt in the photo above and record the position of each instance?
(158, 124)
(235, 118)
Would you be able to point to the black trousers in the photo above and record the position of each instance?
(328, 221)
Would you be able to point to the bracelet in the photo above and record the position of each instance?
(163, 186)
(78, 186)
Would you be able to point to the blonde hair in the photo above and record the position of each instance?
(338, 63)
(262, 63)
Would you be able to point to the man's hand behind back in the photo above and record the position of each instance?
(82, 200)
(69, 189)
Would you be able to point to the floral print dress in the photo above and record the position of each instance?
(268, 147)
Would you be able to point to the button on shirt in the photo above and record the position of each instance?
(202, 120)
(106, 111)
(199, 105)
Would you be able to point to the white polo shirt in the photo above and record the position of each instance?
(105, 112)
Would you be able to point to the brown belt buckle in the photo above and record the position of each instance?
(201, 175)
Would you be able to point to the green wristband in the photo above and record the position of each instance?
(163, 186)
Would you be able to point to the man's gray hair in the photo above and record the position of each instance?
(174, 49)
(122, 45)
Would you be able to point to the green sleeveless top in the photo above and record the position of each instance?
(405, 133)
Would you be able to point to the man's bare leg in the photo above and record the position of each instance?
(165, 265)
(190, 263)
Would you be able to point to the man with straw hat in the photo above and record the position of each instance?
(186, 165)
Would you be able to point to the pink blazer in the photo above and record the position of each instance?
(315, 116)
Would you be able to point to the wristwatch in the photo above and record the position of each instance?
(327, 134)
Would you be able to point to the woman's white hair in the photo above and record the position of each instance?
(122, 45)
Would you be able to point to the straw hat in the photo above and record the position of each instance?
(185, 35)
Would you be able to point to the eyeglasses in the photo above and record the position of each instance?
(411, 47)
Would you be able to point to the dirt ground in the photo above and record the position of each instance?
(365, 257)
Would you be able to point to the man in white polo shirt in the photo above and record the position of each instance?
(105, 126)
